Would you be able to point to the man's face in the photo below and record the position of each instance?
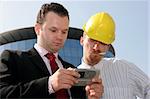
(53, 32)
(92, 50)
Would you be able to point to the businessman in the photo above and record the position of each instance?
(40, 72)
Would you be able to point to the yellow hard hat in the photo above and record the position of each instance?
(100, 27)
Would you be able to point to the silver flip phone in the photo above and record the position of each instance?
(86, 75)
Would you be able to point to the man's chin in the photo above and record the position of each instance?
(94, 61)
(96, 57)
(56, 48)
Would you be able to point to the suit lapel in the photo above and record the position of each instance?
(38, 61)
(65, 64)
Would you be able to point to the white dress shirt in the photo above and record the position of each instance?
(121, 79)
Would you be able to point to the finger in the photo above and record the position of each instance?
(87, 87)
(96, 84)
(59, 78)
(96, 80)
(65, 86)
(69, 80)
(64, 83)
(73, 69)
(95, 95)
(92, 93)
(95, 90)
(73, 72)
(97, 87)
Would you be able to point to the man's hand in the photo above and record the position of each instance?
(95, 89)
(64, 79)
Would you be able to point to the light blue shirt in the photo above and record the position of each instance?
(121, 79)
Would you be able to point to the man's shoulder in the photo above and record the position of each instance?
(9, 53)
(114, 60)
(121, 63)
(117, 61)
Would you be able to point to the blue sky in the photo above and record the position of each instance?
(131, 17)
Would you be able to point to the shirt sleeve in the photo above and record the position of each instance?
(50, 88)
(139, 81)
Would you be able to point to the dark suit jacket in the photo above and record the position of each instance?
(25, 75)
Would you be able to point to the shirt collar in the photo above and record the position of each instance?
(42, 51)
(84, 65)
(96, 66)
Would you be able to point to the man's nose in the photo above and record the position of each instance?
(59, 35)
(96, 46)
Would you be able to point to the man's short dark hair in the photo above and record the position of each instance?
(52, 7)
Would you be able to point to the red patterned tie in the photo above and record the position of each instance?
(61, 94)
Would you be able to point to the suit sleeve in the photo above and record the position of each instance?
(11, 87)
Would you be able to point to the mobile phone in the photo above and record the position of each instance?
(86, 75)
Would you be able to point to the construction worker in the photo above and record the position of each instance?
(121, 79)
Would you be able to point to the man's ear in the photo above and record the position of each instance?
(37, 28)
(108, 47)
(81, 40)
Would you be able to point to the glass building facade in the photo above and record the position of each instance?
(71, 52)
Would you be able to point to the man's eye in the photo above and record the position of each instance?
(52, 30)
(91, 40)
(64, 32)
